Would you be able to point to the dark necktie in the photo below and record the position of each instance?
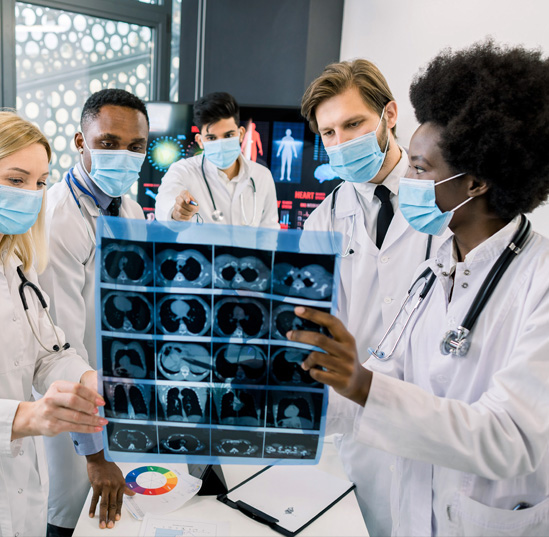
(385, 214)
(114, 206)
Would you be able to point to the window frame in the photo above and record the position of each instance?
(157, 17)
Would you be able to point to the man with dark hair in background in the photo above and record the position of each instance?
(220, 185)
(112, 146)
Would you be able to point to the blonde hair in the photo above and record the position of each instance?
(339, 77)
(17, 134)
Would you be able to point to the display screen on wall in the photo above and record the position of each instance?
(278, 138)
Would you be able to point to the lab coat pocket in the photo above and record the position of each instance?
(469, 517)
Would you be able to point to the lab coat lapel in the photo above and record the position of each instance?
(396, 230)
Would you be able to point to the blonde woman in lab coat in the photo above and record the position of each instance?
(470, 432)
(60, 374)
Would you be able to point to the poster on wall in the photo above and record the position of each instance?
(193, 359)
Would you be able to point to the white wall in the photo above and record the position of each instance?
(400, 36)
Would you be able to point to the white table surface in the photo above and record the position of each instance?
(344, 518)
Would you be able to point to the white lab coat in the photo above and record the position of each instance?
(235, 198)
(471, 433)
(373, 284)
(23, 363)
(69, 279)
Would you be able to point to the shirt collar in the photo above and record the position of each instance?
(392, 181)
(82, 175)
(486, 251)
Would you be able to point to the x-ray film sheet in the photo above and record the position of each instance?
(194, 364)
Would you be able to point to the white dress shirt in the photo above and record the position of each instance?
(471, 433)
(24, 364)
(235, 198)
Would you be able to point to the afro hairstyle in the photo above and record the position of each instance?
(493, 105)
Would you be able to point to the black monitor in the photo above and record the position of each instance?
(278, 138)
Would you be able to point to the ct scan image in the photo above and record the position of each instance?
(240, 317)
(128, 400)
(126, 262)
(290, 446)
(132, 437)
(193, 357)
(183, 315)
(284, 319)
(243, 407)
(129, 312)
(128, 358)
(184, 440)
(285, 367)
(230, 443)
(184, 403)
(240, 268)
(184, 361)
(303, 276)
(240, 364)
(184, 266)
(294, 410)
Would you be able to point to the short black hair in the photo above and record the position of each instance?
(112, 96)
(493, 105)
(215, 106)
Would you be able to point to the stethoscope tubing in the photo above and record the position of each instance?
(246, 223)
(26, 284)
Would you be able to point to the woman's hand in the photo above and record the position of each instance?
(66, 406)
(338, 366)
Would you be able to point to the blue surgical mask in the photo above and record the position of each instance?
(114, 171)
(19, 209)
(358, 160)
(223, 152)
(417, 202)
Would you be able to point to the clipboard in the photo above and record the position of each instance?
(287, 498)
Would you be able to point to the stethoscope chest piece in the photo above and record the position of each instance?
(218, 216)
(455, 343)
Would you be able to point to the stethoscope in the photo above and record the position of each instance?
(25, 284)
(217, 214)
(456, 342)
(348, 250)
(70, 177)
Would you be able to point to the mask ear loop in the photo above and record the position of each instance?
(463, 202)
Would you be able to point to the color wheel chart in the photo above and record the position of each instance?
(151, 480)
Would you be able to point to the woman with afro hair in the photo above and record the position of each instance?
(470, 432)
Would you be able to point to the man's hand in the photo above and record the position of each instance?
(66, 406)
(339, 366)
(185, 207)
(108, 484)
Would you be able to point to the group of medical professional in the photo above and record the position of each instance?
(439, 400)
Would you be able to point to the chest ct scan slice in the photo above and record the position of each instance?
(284, 319)
(240, 317)
(189, 268)
(184, 361)
(286, 367)
(248, 273)
(240, 363)
(127, 400)
(293, 411)
(186, 315)
(182, 444)
(128, 360)
(184, 404)
(126, 264)
(238, 406)
(131, 440)
(234, 447)
(127, 312)
(312, 281)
